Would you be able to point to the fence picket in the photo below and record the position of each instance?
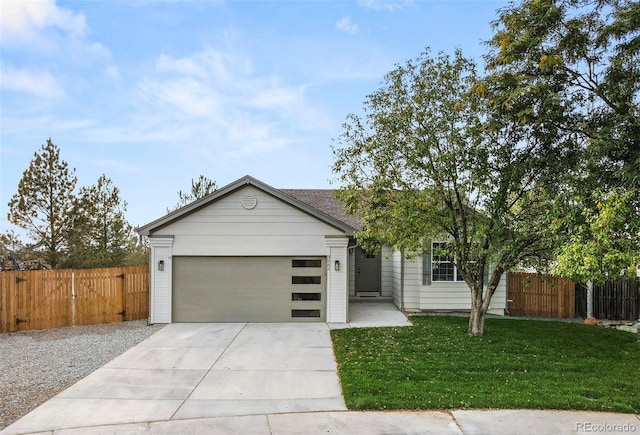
(548, 296)
(43, 299)
(536, 295)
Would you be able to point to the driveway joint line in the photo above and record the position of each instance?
(455, 420)
(208, 371)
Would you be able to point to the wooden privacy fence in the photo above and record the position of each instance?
(43, 299)
(613, 300)
(530, 294)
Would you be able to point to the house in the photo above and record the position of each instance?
(249, 252)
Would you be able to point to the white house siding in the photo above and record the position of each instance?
(439, 296)
(271, 228)
(337, 296)
(411, 283)
(396, 291)
(352, 271)
(160, 280)
(456, 296)
(386, 279)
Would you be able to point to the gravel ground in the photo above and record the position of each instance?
(37, 365)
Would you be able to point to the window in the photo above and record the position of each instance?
(306, 280)
(306, 263)
(306, 296)
(443, 267)
(305, 313)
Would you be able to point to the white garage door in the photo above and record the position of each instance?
(249, 289)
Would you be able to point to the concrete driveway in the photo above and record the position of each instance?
(193, 371)
(266, 379)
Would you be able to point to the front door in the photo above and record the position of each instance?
(368, 266)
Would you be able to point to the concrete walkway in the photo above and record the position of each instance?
(262, 379)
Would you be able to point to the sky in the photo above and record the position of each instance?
(155, 93)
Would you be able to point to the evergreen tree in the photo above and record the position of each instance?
(44, 202)
(101, 235)
(199, 189)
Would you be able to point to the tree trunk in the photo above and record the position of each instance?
(476, 318)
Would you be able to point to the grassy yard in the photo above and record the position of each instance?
(517, 364)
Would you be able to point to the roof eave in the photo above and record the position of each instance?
(148, 229)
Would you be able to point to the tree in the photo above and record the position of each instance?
(199, 189)
(430, 160)
(101, 235)
(44, 202)
(604, 243)
(571, 68)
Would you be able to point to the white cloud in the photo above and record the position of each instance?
(218, 96)
(37, 83)
(385, 5)
(24, 21)
(207, 65)
(272, 97)
(184, 97)
(346, 25)
(112, 72)
(97, 50)
(52, 31)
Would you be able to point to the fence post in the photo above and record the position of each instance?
(73, 298)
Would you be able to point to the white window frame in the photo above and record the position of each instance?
(436, 261)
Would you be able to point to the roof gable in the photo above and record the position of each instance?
(317, 203)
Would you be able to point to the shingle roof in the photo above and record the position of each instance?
(325, 201)
(321, 204)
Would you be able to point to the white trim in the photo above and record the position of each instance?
(337, 280)
(160, 282)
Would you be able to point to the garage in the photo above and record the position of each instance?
(248, 289)
(250, 253)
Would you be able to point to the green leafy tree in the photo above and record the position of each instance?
(200, 188)
(10, 244)
(101, 235)
(44, 202)
(430, 160)
(571, 69)
(604, 244)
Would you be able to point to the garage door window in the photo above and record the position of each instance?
(305, 313)
(306, 280)
(306, 296)
(306, 263)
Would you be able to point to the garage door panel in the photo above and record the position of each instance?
(248, 289)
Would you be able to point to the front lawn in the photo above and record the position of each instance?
(517, 364)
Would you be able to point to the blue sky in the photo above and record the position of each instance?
(155, 93)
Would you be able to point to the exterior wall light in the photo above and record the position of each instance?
(161, 265)
(336, 265)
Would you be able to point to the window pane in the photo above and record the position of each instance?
(305, 296)
(306, 280)
(306, 263)
(443, 272)
(439, 255)
(442, 264)
(305, 313)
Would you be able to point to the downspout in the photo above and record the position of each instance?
(402, 280)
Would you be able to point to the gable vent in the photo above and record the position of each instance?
(249, 202)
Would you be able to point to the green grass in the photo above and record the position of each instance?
(517, 364)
